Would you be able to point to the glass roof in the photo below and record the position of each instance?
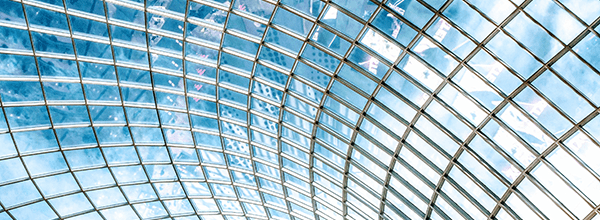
(299, 109)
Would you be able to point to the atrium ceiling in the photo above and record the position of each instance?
(299, 109)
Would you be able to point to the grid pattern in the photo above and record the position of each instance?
(299, 109)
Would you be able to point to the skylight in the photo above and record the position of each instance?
(299, 109)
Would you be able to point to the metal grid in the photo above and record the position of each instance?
(299, 109)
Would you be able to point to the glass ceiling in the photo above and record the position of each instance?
(299, 109)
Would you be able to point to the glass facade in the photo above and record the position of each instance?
(299, 109)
